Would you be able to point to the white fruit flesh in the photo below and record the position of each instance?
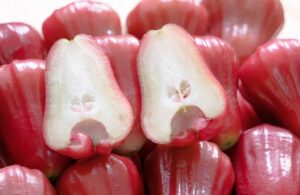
(174, 78)
(82, 96)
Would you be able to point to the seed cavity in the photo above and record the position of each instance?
(179, 93)
(83, 104)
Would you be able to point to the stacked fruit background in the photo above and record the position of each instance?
(150, 97)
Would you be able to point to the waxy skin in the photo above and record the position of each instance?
(244, 24)
(22, 102)
(222, 60)
(122, 52)
(154, 14)
(200, 168)
(19, 180)
(19, 41)
(103, 174)
(267, 161)
(81, 17)
(270, 82)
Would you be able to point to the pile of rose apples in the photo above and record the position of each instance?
(198, 97)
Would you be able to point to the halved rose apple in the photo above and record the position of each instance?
(180, 96)
(86, 112)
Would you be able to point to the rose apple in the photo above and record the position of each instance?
(22, 102)
(111, 174)
(19, 41)
(267, 161)
(154, 14)
(270, 81)
(88, 17)
(222, 61)
(200, 168)
(122, 52)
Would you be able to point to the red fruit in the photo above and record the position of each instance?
(22, 99)
(86, 111)
(270, 81)
(248, 114)
(81, 17)
(180, 96)
(222, 61)
(110, 174)
(154, 14)
(200, 168)
(19, 41)
(16, 179)
(244, 24)
(267, 161)
(122, 52)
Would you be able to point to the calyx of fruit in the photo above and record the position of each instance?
(180, 96)
(86, 112)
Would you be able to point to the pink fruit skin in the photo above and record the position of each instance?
(81, 17)
(22, 102)
(200, 168)
(111, 174)
(270, 81)
(244, 24)
(16, 179)
(222, 60)
(122, 53)
(267, 161)
(19, 41)
(153, 14)
(248, 114)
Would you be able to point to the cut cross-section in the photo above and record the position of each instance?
(85, 108)
(180, 96)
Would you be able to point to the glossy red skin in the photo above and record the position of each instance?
(122, 52)
(267, 161)
(200, 168)
(16, 179)
(222, 60)
(153, 14)
(244, 24)
(248, 114)
(22, 102)
(111, 174)
(20, 41)
(270, 81)
(81, 17)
